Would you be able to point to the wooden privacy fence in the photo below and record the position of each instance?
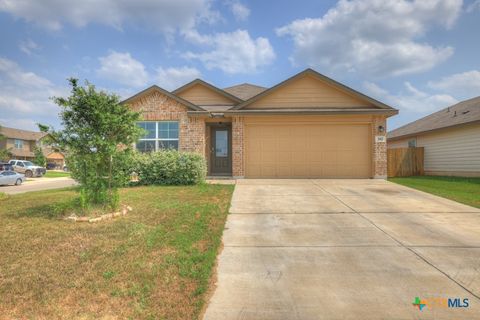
(404, 162)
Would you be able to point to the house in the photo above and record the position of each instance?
(21, 145)
(308, 126)
(450, 137)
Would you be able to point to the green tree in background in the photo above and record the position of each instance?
(5, 154)
(98, 132)
(40, 159)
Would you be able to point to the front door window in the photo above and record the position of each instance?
(220, 156)
(221, 143)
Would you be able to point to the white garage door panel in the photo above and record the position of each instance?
(299, 150)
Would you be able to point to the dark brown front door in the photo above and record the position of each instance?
(221, 153)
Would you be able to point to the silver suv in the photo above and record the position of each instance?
(28, 168)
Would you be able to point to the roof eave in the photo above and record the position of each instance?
(413, 134)
(302, 112)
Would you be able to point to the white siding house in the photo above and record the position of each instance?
(449, 149)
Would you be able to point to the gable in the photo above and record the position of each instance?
(156, 105)
(201, 95)
(308, 91)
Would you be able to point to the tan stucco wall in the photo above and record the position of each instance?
(453, 151)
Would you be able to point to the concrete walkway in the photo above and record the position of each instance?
(39, 184)
(345, 249)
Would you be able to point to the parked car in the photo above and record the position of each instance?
(11, 177)
(28, 168)
(51, 166)
(4, 166)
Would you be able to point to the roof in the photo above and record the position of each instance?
(320, 76)
(165, 92)
(208, 85)
(22, 134)
(464, 112)
(245, 90)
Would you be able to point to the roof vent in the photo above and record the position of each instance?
(455, 114)
(448, 109)
(466, 111)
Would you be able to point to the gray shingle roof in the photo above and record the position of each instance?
(245, 91)
(461, 113)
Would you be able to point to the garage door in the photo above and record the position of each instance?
(308, 150)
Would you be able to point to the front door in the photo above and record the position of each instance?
(221, 153)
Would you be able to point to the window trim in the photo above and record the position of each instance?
(157, 139)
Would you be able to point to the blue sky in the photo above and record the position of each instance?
(417, 56)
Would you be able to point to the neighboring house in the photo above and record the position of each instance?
(450, 137)
(308, 126)
(21, 145)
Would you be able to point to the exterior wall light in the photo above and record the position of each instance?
(381, 129)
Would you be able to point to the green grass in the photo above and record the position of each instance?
(56, 174)
(154, 263)
(463, 190)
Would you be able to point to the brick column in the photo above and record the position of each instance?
(238, 168)
(379, 148)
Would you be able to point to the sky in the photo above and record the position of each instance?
(417, 56)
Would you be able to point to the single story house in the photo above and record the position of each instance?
(21, 145)
(450, 137)
(308, 126)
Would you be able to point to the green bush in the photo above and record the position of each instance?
(166, 167)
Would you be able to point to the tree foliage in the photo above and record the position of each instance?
(97, 132)
(40, 159)
(5, 154)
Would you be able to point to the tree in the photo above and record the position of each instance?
(97, 132)
(5, 154)
(40, 159)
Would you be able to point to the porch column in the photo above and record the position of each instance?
(238, 166)
(379, 147)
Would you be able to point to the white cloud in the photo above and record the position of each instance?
(411, 99)
(172, 78)
(239, 10)
(28, 46)
(374, 37)
(123, 69)
(234, 52)
(465, 84)
(165, 16)
(25, 97)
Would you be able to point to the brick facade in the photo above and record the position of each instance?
(238, 164)
(379, 148)
(193, 136)
(159, 107)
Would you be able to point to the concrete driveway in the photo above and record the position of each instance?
(345, 249)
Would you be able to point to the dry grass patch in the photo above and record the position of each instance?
(154, 263)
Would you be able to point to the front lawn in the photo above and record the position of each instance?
(464, 190)
(56, 174)
(153, 263)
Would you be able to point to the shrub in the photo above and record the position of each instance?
(166, 167)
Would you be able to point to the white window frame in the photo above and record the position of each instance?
(157, 138)
(18, 144)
